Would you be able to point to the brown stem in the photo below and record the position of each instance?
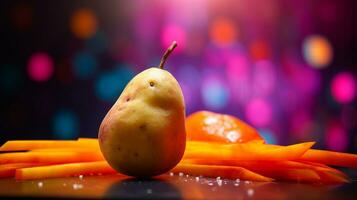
(166, 54)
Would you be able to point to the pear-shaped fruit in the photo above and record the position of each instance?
(144, 134)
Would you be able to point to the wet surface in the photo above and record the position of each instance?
(169, 186)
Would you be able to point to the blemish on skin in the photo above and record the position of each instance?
(119, 148)
(151, 83)
(136, 154)
(103, 132)
(142, 127)
(127, 99)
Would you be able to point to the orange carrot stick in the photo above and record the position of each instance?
(50, 157)
(83, 138)
(70, 149)
(18, 145)
(330, 177)
(245, 151)
(330, 158)
(64, 170)
(327, 157)
(229, 172)
(282, 170)
(8, 170)
(324, 167)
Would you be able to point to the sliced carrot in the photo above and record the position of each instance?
(19, 145)
(8, 170)
(330, 177)
(330, 158)
(229, 172)
(273, 169)
(50, 157)
(299, 175)
(327, 157)
(84, 150)
(90, 139)
(324, 167)
(64, 170)
(282, 170)
(244, 151)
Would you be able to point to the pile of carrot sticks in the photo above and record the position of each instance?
(254, 161)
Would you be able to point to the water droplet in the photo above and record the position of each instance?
(247, 182)
(250, 192)
(219, 182)
(77, 186)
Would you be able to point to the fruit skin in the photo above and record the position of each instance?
(215, 127)
(144, 134)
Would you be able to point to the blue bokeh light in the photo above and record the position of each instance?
(268, 136)
(110, 84)
(84, 65)
(65, 125)
(214, 94)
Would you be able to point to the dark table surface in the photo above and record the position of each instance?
(172, 187)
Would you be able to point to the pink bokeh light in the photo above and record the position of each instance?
(259, 112)
(264, 78)
(172, 33)
(237, 68)
(343, 87)
(40, 67)
(336, 137)
(238, 74)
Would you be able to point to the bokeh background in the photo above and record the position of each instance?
(287, 67)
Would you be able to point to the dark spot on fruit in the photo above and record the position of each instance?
(119, 148)
(151, 83)
(128, 99)
(136, 154)
(142, 127)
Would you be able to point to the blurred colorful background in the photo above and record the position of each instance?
(287, 67)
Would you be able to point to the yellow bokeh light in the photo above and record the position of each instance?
(83, 23)
(317, 51)
(223, 31)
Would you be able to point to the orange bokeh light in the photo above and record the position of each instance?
(223, 31)
(317, 51)
(83, 23)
